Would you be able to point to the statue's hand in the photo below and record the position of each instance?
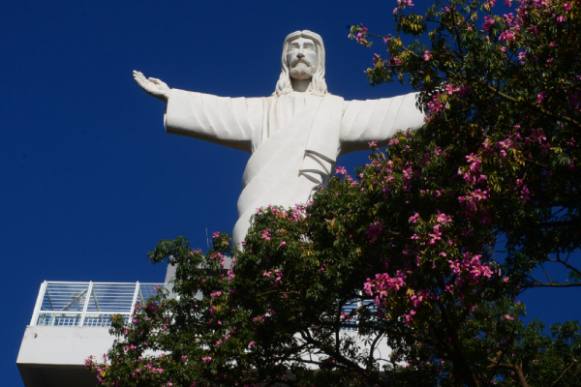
(153, 86)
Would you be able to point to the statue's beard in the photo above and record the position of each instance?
(301, 70)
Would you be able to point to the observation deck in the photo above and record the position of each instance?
(70, 322)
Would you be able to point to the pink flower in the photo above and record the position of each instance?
(567, 7)
(408, 317)
(265, 235)
(298, 212)
(436, 235)
(427, 56)
(488, 22)
(508, 18)
(372, 144)
(339, 170)
(359, 33)
(471, 199)
(508, 317)
(507, 36)
(454, 266)
(435, 104)
(402, 4)
(407, 173)
(479, 194)
(216, 234)
(414, 218)
(504, 146)
(418, 298)
(443, 218)
(216, 294)
(383, 284)
(481, 271)
(251, 344)
(525, 193)
(278, 276)
(541, 97)
(405, 3)
(207, 359)
(452, 89)
(89, 362)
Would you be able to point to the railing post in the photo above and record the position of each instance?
(38, 304)
(134, 300)
(86, 304)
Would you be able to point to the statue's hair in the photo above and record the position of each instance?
(318, 86)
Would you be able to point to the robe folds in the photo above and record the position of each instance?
(294, 139)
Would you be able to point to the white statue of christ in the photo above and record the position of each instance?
(294, 136)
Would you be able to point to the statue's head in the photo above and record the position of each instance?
(303, 58)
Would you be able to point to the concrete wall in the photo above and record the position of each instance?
(55, 356)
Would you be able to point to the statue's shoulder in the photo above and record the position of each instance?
(332, 98)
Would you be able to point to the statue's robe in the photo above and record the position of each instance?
(294, 139)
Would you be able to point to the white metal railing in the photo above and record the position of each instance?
(88, 304)
(93, 304)
(349, 311)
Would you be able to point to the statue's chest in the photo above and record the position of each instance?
(300, 120)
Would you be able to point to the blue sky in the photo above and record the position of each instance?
(90, 180)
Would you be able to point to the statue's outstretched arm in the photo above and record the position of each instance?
(378, 120)
(152, 86)
(228, 121)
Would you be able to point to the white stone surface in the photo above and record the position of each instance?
(294, 136)
(55, 356)
(63, 345)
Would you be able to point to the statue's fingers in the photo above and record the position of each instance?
(143, 83)
(156, 81)
(138, 80)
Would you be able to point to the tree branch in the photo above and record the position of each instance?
(568, 266)
(539, 284)
(521, 375)
(539, 108)
(564, 372)
(372, 349)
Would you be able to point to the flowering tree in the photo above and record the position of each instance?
(424, 252)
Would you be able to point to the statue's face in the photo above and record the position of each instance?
(302, 58)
